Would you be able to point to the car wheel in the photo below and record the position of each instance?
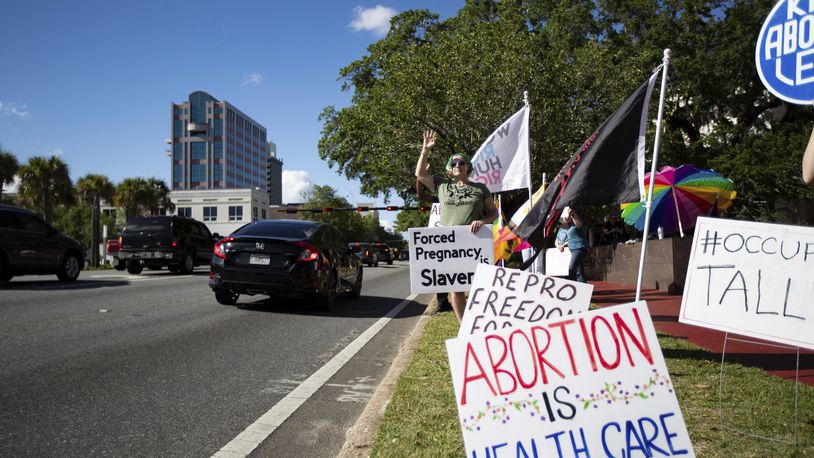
(357, 287)
(376, 264)
(5, 275)
(134, 267)
(226, 297)
(70, 268)
(173, 268)
(390, 262)
(119, 264)
(188, 264)
(327, 298)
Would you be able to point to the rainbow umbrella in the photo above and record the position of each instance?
(680, 195)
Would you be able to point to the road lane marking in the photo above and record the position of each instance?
(248, 440)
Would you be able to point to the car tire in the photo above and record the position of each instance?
(120, 264)
(226, 297)
(327, 298)
(70, 267)
(134, 267)
(357, 287)
(5, 275)
(390, 262)
(173, 268)
(188, 264)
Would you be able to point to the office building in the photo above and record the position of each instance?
(275, 176)
(216, 146)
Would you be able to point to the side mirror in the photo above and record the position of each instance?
(217, 236)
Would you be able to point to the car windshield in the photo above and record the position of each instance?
(151, 225)
(277, 229)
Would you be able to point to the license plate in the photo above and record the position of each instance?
(260, 259)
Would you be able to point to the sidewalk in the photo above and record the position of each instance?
(664, 309)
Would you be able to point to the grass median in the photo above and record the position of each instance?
(421, 419)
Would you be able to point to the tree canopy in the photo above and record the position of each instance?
(578, 60)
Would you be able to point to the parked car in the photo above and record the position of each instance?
(29, 246)
(404, 255)
(177, 242)
(384, 252)
(365, 253)
(285, 257)
(113, 248)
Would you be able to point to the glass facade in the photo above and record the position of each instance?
(229, 151)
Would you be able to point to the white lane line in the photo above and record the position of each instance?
(245, 442)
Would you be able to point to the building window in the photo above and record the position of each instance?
(198, 172)
(178, 151)
(218, 153)
(178, 128)
(219, 127)
(236, 213)
(197, 150)
(178, 172)
(210, 213)
(254, 213)
(263, 213)
(185, 211)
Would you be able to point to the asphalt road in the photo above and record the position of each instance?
(151, 365)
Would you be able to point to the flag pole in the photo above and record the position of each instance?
(528, 171)
(666, 65)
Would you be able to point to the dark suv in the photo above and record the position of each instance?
(384, 252)
(365, 252)
(28, 245)
(178, 242)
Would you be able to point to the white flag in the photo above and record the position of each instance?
(502, 162)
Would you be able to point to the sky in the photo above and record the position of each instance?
(92, 81)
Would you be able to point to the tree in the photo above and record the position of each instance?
(73, 221)
(44, 184)
(349, 223)
(8, 168)
(411, 218)
(138, 196)
(579, 60)
(92, 190)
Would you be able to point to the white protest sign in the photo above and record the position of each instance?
(753, 279)
(557, 262)
(505, 298)
(502, 162)
(443, 259)
(435, 215)
(593, 384)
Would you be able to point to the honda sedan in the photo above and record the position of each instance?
(274, 257)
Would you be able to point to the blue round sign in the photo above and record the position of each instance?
(784, 54)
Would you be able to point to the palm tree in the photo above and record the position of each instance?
(159, 196)
(44, 183)
(129, 196)
(8, 168)
(93, 189)
(138, 195)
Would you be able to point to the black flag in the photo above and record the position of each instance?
(607, 169)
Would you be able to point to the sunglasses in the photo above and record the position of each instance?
(457, 163)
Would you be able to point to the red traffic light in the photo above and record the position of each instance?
(362, 209)
(391, 208)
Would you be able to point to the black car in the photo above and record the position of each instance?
(178, 242)
(28, 245)
(384, 252)
(283, 257)
(365, 253)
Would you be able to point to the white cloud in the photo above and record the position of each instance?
(55, 152)
(295, 182)
(11, 109)
(387, 225)
(376, 19)
(252, 79)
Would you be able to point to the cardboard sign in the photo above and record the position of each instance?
(754, 279)
(784, 54)
(506, 298)
(443, 259)
(556, 261)
(593, 384)
(435, 215)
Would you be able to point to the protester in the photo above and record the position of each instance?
(442, 299)
(577, 243)
(808, 161)
(462, 202)
(561, 240)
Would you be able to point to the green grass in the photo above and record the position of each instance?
(421, 419)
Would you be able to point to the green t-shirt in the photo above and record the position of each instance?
(460, 205)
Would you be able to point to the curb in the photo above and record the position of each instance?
(359, 438)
